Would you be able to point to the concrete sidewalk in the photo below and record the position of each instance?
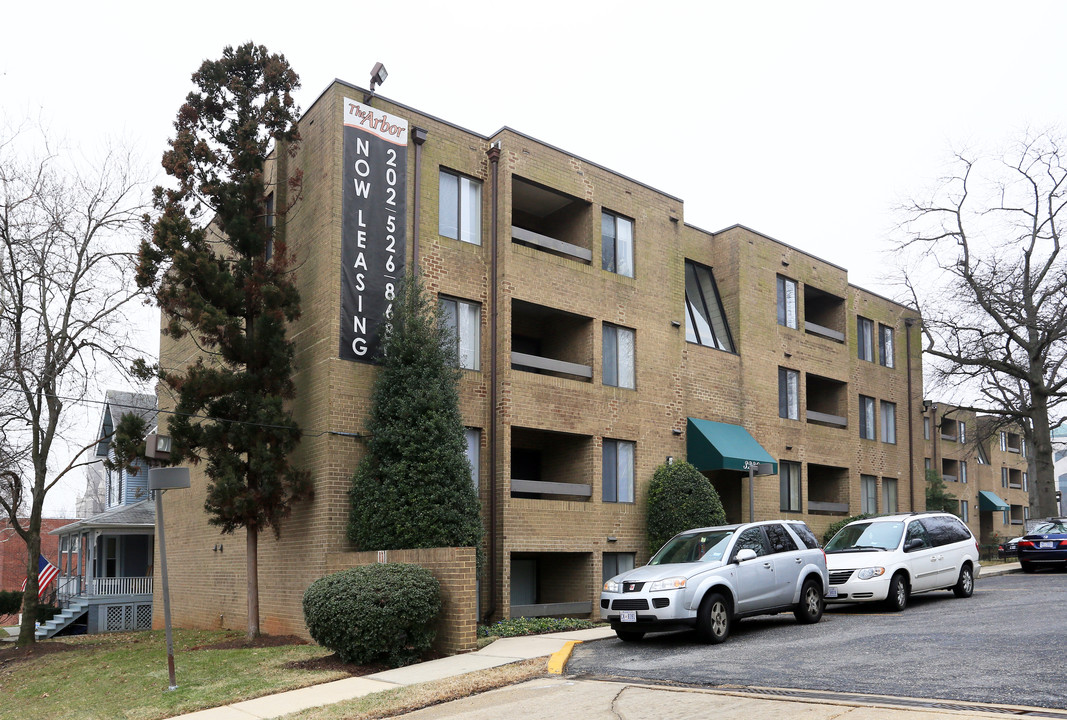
(501, 652)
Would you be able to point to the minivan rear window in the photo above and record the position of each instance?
(945, 529)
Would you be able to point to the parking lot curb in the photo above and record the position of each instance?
(558, 662)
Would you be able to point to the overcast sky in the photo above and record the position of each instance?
(807, 121)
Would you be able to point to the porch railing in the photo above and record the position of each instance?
(70, 587)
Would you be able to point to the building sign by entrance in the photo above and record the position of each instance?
(373, 239)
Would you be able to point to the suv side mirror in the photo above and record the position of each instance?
(913, 544)
(745, 554)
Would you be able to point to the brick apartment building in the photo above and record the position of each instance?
(600, 336)
(984, 463)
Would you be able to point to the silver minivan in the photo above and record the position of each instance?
(889, 558)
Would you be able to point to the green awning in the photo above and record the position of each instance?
(713, 445)
(990, 501)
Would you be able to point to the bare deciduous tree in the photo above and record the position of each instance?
(984, 264)
(67, 254)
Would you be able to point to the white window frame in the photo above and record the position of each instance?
(868, 494)
(889, 422)
(621, 477)
(465, 319)
(963, 471)
(622, 342)
(789, 384)
(468, 210)
(621, 243)
(787, 302)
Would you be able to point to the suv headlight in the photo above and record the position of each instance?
(871, 572)
(612, 586)
(674, 583)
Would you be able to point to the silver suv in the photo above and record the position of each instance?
(709, 577)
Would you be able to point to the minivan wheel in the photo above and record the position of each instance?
(713, 622)
(898, 593)
(965, 585)
(809, 609)
(629, 635)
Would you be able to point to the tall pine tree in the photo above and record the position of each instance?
(413, 488)
(222, 274)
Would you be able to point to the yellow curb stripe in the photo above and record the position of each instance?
(558, 661)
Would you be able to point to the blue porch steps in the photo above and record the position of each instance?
(63, 619)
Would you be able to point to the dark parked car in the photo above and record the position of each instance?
(1046, 545)
(1008, 548)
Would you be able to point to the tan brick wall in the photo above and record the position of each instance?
(675, 379)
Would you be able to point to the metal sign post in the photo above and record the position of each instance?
(754, 468)
(161, 480)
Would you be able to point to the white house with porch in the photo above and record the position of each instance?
(105, 561)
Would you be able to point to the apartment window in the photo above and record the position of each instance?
(965, 512)
(889, 422)
(865, 338)
(618, 356)
(1026, 512)
(464, 320)
(268, 219)
(788, 394)
(867, 417)
(963, 432)
(926, 428)
(473, 438)
(787, 302)
(889, 495)
(705, 321)
(1003, 441)
(618, 485)
(885, 346)
(789, 478)
(1026, 482)
(963, 471)
(1004, 477)
(926, 463)
(617, 244)
(868, 494)
(1007, 517)
(460, 212)
(616, 564)
(983, 459)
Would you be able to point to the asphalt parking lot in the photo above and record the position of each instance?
(1002, 645)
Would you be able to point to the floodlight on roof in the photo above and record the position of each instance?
(378, 74)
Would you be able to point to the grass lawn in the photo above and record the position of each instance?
(124, 675)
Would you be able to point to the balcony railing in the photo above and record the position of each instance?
(551, 244)
(828, 507)
(825, 332)
(523, 360)
(826, 418)
(948, 478)
(551, 488)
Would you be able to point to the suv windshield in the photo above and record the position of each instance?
(1050, 528)
(693, 547)
(860, 537)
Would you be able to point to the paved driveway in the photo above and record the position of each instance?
(1002, 645)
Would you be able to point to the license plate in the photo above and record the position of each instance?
(831, 593)
(1046, 544)
(628, 616)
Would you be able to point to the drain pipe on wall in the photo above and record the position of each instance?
(494, 161)
(909, 323)
(418, 135)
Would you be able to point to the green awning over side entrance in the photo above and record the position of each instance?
(990, 501)
(713, 445)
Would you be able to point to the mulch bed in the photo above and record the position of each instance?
(11, 655)
(333, 663)
(261, 641)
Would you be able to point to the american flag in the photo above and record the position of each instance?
(46, 573)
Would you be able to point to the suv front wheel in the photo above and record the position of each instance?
(713, 622)
(811, 605)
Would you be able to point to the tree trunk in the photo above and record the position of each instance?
(1043, 484)
(252, 569)
(28, 628)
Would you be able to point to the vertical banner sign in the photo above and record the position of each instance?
(372, 226)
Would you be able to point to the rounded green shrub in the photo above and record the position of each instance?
(832, 530)
(680, 498)
(10, 602)
(376, 613)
